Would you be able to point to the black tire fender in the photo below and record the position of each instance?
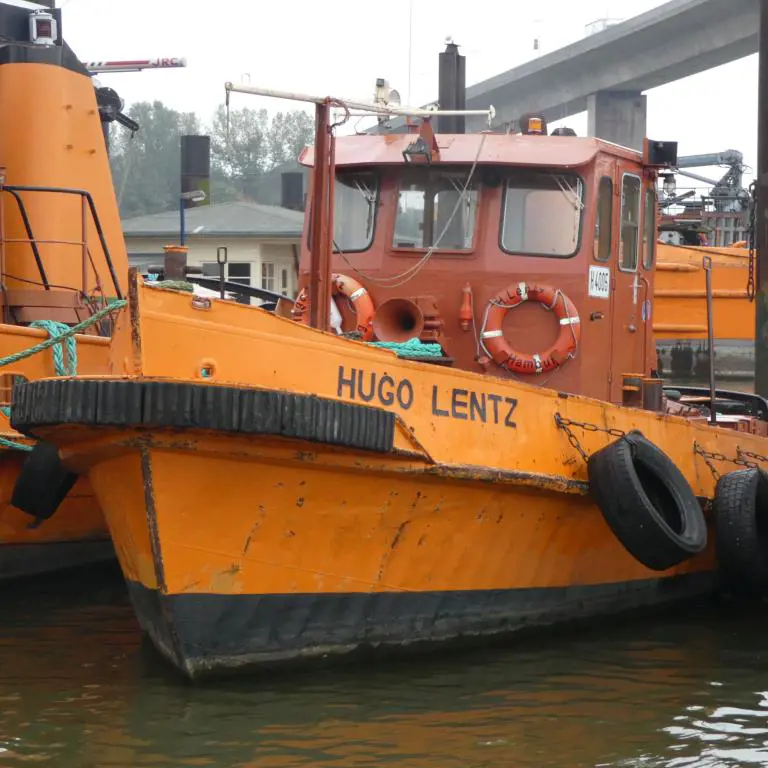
(741, 525)
(43, 482)
(647, 502)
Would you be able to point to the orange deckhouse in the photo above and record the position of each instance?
(456, 432)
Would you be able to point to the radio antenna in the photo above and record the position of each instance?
(410, 46)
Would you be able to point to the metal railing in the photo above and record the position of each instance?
(87, 205)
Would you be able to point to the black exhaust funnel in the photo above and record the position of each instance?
(452, 88)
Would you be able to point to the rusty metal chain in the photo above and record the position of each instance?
(709, 457)
(706, 455)
(752, 237)
(750, 455)
(741, 458)
(566, 424)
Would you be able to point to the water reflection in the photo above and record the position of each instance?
(79, 688)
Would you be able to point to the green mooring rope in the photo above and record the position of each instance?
(59, 335)
(176, 285)
(56, 329)
(410, 348)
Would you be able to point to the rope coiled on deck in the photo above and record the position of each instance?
(410, 348)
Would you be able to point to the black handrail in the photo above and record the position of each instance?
(14, 188)
(31, 236)
(213, 283)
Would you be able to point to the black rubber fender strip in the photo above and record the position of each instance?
(647, 502)
(741, 523)
(236, 410)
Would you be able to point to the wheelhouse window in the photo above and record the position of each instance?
(356, 197)
(649, 229)
(630, 222)
(542, 214)
(354, 214)
(604, 220)
(436, 209)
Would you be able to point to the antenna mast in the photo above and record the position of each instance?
(410, 47)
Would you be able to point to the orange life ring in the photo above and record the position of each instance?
(341, 285)
(550, 298)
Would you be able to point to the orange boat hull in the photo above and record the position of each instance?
(330, 556)
(77, 535)
(299, 515)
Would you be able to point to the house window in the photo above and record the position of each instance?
(285, 282)
(234, 272)
(268, 276)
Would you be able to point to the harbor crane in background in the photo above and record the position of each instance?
(727, 193)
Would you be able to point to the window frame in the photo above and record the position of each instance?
(263, 277)
(638, 239)
(598, 219)
(476, 184)
(502, 213)
(243, 299)
(351, 171)
(284, 273)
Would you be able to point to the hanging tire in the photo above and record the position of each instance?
(647, 502)
(741, 524)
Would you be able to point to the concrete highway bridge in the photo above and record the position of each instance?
(606, 73)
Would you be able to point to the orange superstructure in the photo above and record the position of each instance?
(62, 257)
(479, 445)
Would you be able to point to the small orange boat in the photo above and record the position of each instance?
(469, 441)
(61, 250)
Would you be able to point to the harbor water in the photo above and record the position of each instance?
(79, 688)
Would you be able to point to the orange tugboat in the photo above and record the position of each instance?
(482, 447)
(61, 250)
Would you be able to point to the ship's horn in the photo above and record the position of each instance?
(398, 320)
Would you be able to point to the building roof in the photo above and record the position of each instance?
(225, 220)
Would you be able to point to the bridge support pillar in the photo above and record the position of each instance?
(617, 116)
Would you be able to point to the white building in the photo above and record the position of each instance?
(262, 242)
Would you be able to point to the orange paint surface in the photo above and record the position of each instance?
(79, 517)
(680, 304)
(55, 140)
(235, 514)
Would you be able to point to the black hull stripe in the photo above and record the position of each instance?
(203, 633)
(23, 560)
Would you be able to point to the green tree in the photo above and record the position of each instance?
(296, 131)
(245, 146)
(239, 150)
(146, 166)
